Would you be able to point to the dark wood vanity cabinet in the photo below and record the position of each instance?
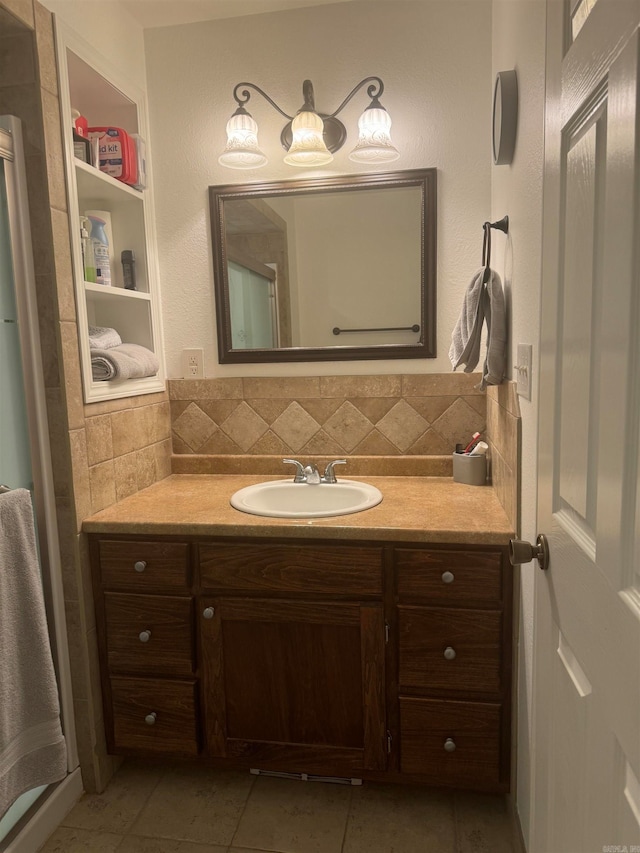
(454, 665)
(327, 658)
(144, 612)
(292, 653)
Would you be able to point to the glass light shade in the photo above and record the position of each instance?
(242, 151)
(308, 147)
(374, 143)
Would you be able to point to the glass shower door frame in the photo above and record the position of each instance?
(11, 152)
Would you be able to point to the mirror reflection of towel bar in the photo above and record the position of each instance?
(414, 328)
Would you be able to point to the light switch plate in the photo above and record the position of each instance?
(522, 368)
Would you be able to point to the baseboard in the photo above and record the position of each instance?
(517, 838)
(48, 816)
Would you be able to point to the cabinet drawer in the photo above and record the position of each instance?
(149, 633)
(447, 649)
(154, 716)
(449, 577)
(471, 729)
(144, 565)
(333, 570)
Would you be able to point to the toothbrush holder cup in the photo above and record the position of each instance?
(471, 470)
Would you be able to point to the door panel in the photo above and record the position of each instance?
(587, 675)
(578, 345)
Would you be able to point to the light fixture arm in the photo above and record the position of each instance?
(374, 91)
(243, 98)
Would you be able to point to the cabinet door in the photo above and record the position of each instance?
(293, 685)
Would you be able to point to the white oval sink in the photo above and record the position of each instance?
(286, 499)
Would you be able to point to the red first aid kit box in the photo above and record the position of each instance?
(117, 153)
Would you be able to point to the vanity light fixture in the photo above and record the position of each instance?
(310, 137)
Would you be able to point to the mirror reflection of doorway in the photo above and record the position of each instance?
(254, 310)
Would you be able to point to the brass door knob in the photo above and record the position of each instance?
(521, 552)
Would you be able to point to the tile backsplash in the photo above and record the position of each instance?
(377, 415)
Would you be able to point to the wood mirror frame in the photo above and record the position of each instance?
(424, 179)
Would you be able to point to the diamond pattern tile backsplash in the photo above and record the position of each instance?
(379, 415)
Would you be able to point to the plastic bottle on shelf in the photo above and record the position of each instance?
(88, 257)
(100, 251)
(80, 124)
(129, 269)
(114, 267)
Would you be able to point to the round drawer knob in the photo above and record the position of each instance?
(448, 577)
(140, 565)
(208, 613)
(449, 653)
(449, 745)
(145, 636)
(150, 719)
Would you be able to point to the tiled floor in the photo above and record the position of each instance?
(150, 808)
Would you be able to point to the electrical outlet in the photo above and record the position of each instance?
(523, 368)
(193, 363)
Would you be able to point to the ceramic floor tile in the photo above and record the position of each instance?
(483, 824)
(66, 839)
(118, 806)
(400, 819)
(195, 803)
(294, 817)
(136, 844)
(252, 850)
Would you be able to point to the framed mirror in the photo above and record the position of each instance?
(326, 269)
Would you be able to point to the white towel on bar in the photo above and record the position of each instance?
(482, 303)
(32, 746)
(127, 361)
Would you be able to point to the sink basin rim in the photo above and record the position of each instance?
(255, 499)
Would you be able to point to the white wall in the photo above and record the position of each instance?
(435, 59)
(111, 30)
(519, 42)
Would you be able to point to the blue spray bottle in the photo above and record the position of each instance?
(100, 251)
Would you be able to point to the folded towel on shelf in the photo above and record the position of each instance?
(127, 361)
(102, 337)
(32, 747)
(483, 303)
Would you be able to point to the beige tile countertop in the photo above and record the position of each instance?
(413, 509)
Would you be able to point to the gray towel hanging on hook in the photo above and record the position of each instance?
(483, 302)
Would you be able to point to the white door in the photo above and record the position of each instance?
(587, 646)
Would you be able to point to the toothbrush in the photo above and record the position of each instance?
(474, 439)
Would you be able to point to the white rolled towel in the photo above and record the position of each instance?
(102, 337)
(127, 361)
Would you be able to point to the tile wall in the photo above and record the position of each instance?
(387, 417)
(101, 452)
(504, 436)
(384, 424)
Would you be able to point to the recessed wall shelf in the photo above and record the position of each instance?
(87, 84)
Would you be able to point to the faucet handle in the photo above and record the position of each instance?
(329, 475)
(300, 476)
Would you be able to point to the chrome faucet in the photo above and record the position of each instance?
(310, 474)
(329, 475)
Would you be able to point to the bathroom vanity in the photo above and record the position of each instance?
(375, 645)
